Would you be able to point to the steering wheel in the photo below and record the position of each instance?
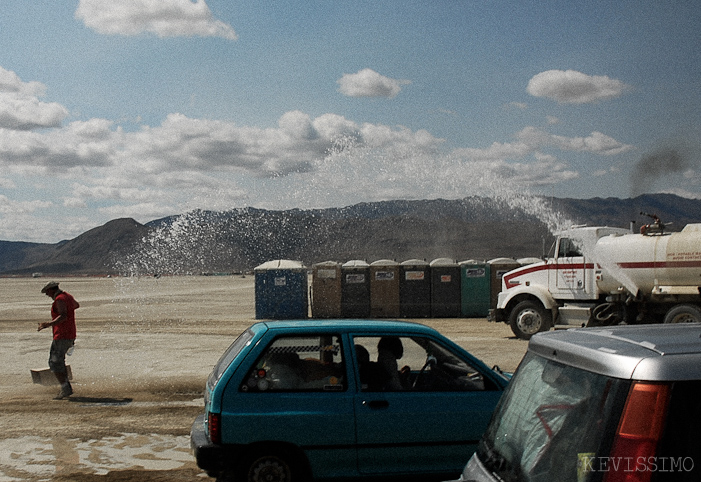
(430, 361)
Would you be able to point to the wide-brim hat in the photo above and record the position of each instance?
(49, 286)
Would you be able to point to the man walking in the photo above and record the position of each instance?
(64, 332)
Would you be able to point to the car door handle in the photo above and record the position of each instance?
(376, 404)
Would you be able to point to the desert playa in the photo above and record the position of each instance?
(144, 349)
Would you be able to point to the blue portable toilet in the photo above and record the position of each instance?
(281, 290)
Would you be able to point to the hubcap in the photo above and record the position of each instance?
(529, 322)
(270, 470)
(685, 318)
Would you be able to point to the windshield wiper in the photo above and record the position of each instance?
(496, 463)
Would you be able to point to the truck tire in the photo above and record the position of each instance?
(528, 318)
(683, 314)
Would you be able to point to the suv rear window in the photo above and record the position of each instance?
(551, 418)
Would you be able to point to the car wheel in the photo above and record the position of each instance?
(264, 466)
(528, 318)
(683, 314)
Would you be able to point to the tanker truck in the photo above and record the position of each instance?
(605, 276)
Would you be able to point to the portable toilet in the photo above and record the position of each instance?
(355, 289)
(326, 290)
(445, 288)
(528, 261)
(281, 290)
(475, 288)
(384, 289)
(499, 267)
(414, 289)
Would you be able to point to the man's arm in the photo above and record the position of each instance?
(62, 311)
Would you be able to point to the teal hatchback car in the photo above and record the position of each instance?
(343, 399)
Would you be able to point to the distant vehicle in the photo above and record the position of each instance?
(332, 399)
(604, 276)
(599, 404)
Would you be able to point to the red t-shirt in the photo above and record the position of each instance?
(66, 329)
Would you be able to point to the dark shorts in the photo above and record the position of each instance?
(57, 355)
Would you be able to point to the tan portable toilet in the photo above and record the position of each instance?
(326, 290)
(384, 289)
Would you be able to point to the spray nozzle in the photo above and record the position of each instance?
(656, 227)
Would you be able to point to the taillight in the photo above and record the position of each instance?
(638, 434)
(214, 427)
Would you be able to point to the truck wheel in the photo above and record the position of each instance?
(683, 314)
(528, 318)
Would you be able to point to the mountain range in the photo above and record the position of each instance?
(240, 239)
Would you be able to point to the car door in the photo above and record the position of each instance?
(296, 391)
(432, 420)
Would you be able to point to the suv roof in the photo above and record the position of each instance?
(642, 352)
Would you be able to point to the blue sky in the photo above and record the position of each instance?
(149, 108)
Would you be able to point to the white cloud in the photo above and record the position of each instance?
(516, 105)
(572, 87)
(368, 83)
(596, 142)
(165, 18)
(682, 193)
(9, 206)
(11, 83)
(20, 109)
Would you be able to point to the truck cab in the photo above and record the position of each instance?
(531, 299)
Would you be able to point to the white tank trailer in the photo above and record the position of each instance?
(606, 276)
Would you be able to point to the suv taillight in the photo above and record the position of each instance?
(214, 427)
(639, 431)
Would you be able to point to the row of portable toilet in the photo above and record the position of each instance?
(442, 288)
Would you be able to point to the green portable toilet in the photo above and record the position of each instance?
(326, 290)
(475, 288)
(384, 289)
(499, 267)
(281, 290)
(414, 289)
(445, 288)
(355, 289)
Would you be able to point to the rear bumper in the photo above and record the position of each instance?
(210, 457)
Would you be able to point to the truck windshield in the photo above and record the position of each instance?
(568, 248)
(549, 421)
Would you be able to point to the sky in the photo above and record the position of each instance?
(148, 108)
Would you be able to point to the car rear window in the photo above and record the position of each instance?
(228, 356)
(299, 363)
(551, 418)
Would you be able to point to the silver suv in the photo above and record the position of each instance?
(599, 404)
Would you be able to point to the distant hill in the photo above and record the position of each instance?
(240, 239)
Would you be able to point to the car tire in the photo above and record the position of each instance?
(269, 466)
(528, 318)
(683, 314)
